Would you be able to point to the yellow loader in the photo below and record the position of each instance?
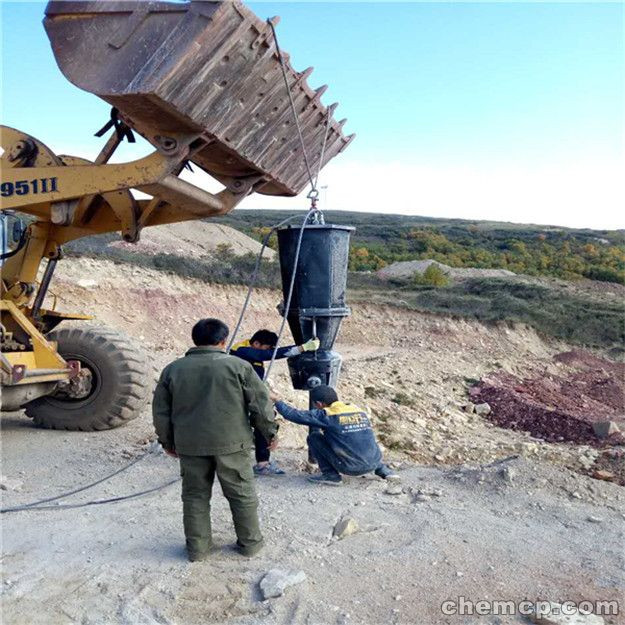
(203, 83)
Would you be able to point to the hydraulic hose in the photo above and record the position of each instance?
(40, 502)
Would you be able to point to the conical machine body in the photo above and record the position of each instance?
(318, 303)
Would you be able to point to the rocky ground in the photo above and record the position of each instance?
(531, 527)
(575, 405)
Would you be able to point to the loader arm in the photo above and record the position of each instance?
(71, 198)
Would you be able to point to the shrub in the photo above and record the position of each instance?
(606, 274)
(432, 276)
(403, 399)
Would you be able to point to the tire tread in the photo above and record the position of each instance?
(130, 395)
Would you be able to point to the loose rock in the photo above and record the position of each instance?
(276, 581)
(393, 488)
(507, 474)
(7, 483)
(605, 429)
(345, 527)
(608, 476)
(85, 283)
(483, 410)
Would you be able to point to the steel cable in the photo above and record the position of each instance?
(287, 303)
(295, 117)
(323, 149)
(95, 502)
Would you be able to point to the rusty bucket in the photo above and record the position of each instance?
(206, 69)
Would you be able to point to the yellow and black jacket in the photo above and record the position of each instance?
(347, 429)
(256, 357)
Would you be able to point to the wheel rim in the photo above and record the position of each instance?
(75, 403)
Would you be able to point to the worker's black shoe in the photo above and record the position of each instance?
(387, 474)
(197, 556)
(323, 478)
(249, 550)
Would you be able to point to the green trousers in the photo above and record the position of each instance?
(235, 474)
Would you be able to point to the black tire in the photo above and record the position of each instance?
(119, 387)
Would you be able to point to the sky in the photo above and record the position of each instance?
(498, 111)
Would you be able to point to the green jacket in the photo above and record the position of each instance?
(206, 403)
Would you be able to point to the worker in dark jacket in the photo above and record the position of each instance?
(343, 441)
(258, 350)
(205, 405)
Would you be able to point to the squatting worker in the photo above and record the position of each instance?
(257, 351)
(342, 442)
(205, 405)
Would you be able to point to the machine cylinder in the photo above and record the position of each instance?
(318, 303)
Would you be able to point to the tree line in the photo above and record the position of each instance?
(382, 239)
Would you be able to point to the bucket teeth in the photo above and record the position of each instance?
(197, 68)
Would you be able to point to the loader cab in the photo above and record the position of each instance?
(11, 230)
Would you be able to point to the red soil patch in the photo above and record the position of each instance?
(559, 407)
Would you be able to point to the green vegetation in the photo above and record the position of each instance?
(432, 276)
(379, 240)
(228, 268)
(549, 308)
(403, 399)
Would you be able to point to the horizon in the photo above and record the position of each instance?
(425, 217)
(471, 111)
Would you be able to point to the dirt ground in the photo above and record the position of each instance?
(531, 527)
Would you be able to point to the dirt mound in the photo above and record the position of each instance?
(585, 360)
(407, 269)
(559, 407)
(194, 239)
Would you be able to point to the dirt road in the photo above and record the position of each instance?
(514, 531)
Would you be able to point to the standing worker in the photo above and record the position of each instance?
(205, 405)
(257, 351)
(342, 440)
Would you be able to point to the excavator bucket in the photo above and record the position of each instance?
(198, 69)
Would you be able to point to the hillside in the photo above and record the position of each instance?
(584, 312)
(187, 239)
(381, 239)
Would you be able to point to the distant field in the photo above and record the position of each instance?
(382, 239)
(577, 315)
